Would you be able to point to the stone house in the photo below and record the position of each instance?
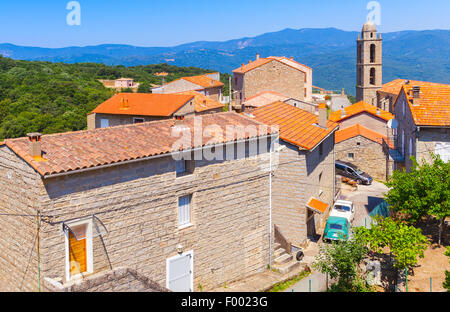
(268, 97)
(422, 110)
(279, 74)
(303, 186)
(208, 84)
(363, 131)
(128, 108)
(122, 202)
(363, 147)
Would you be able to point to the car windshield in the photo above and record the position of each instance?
(335, 226)
(359, 171)
(342, 208)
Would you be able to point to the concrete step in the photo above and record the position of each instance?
(287, 267)
(285, 258)
(276, 246)
(278, 252)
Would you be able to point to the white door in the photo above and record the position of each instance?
(180, 272)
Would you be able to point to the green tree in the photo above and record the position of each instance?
(424, 191)
(405, 243)
(447, 273)
(341, 260)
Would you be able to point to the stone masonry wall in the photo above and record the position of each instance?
(278, 77)
(369, 156)
(18, 231)
(138, 204)
(296, 180)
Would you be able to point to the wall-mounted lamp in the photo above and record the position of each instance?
(180, 249)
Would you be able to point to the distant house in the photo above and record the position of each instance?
(128, 209)
(121, 83)
(360, 140)
(422, 110)
(208, 84)
(278, 74)
(128, 108)
(268, 97)
(304, 179)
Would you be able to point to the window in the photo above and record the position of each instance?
(138, 120)
(104, 123)
(321, 149)
(403, 143)
(351, 156)
(79, 254)
(372, 76)
(184, 211)
(359, 54)
(372, 53)
(184, 167)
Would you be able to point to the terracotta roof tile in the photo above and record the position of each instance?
(317, 205)
(297, 126)
(262, 61)
(204, 81)
(359, 108)
(71, 151)
(264, 98)
(358, 130)
(143, 104)
(434, 106)
(202, 102)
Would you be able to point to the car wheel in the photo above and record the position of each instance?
(359, 182)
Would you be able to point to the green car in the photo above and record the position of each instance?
(337, 229)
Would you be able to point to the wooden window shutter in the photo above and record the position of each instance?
(77, 250)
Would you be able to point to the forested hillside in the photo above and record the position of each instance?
(55, 97)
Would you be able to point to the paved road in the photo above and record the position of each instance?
(365, 199)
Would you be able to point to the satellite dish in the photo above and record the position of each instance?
(392, 124)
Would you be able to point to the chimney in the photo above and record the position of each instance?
(257, 56)
(124, 104)
(35, 144)
(323, 115)
(416, 95)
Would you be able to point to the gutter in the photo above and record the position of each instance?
(120, 163)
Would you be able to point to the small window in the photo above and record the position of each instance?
(321, 149)
(184, 211)
(358, 143)
(138, 120)
(104, 123)
(320, 177)
(351, 156)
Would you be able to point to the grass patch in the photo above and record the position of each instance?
(285, 285)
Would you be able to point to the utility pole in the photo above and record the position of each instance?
(230, 106)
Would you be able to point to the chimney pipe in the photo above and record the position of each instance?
(35, 144)
(323, 115)
(257, 56)
(416, 95)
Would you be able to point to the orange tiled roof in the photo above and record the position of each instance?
(297, 126)
(395, 86)
(202, 81)
(66, 152)
(358, 130)
(202, 102)
(262, 61)
(434, 107)
(264, 98)
(317, 205)
(359, 108)
(143, 104)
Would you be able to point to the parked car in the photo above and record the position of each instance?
(351, 171)
(343, 209)
(337, 229)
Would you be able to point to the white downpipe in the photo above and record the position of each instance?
(270, 207)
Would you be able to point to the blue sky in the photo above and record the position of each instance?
(171, 22)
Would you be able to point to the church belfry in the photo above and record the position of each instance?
(369, 69)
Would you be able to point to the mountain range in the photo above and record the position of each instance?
(417, 55)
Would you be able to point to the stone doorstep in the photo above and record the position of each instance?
(284, 258)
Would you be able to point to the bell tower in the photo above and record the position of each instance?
(369, 68)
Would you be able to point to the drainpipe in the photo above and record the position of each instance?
(270, 207)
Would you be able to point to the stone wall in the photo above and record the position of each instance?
(275, 76)
(295, 181)
(366, 120)
(18, 224)
(368, 156)
(117, 280)
(138, 205)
